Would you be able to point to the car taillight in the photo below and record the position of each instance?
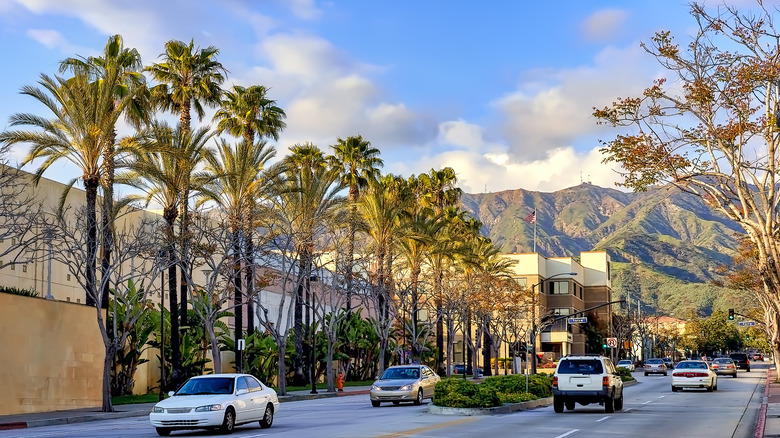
(555, 381)
(605, 381)
(647, 366)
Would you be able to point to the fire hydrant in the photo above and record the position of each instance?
(340, 382)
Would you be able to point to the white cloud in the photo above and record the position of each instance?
(552, 109)
(604, 25)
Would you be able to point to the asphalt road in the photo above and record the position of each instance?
(650, 409)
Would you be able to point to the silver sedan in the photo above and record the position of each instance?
(403, 383)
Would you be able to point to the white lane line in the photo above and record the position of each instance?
(661, 396)
(627, 410)
(568, 433)
(602, 419)
(647, 402)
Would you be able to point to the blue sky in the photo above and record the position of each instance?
(501, 91)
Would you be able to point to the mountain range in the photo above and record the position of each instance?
(666, 245)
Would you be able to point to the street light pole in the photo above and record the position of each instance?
(534, 328)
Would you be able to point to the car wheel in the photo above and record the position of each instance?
(675, 389)
(268, 417)
(557, 405)
(734, 375)
(645, 374)
(163, 431)
(710, 388)
(748, 370)
(230, 421)
(715, 385)
(619, 403)
(419, 399)
(396, 403)
(569, 405)
(665, 373)
(609, 405)
(374, 403)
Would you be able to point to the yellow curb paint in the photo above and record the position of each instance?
(431, 427)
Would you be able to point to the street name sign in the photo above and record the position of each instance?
(746, 323)
(580, 320)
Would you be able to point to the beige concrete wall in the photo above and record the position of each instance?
(51, 358)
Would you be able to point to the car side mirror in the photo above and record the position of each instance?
(242, 391)
(170, 393)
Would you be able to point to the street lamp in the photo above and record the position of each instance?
(534, 328)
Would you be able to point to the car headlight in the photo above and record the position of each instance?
(375, 388)
(408, 387)
(158, 410)
(208, 408)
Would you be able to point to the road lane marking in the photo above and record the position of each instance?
(661, 396)
(568, 433)
(647, 402)
(427, 428)
(602, 419)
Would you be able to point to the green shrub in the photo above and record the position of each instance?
(493, 391)
(625, 375)
(17, 291)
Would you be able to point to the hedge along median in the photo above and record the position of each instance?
(492, 391)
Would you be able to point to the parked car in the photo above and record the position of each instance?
(725, 366)
(758, 356)
(627, 364)
(403, 383)
(655, 366)
(668, 362)
(218, 401)
(587, 379)
(741, 360)
(461, 369)
(694, 374)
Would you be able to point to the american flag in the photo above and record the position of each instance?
(531, 218)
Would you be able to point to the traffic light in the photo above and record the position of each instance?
(731, 314)
(604, 346)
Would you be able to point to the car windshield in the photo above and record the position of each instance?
(207, 385)
(401, 373)
(580, 366)
(692, 365)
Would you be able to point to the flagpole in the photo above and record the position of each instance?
(535, 221)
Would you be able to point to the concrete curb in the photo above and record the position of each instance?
(505, 409)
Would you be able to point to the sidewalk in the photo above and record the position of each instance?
(23, 421)
(769, 415)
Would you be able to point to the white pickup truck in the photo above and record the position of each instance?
(587, 379)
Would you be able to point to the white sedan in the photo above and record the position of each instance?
(220, 401)
(694, 374)
(627, 364)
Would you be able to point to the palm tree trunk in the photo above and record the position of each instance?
(90, 189)
(183, 264)
(237, 298)
(249, 257)
(170, 218)
(107, 221)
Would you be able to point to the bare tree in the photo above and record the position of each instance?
(135, 248)
(19, 214)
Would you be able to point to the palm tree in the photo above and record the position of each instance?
(379, 209)
(247, 112)
(237, 182)
(84, 116)
(310, 195)
(164, 164)
(440, 193)
(188, 77)
(118, 69)
(358, 163)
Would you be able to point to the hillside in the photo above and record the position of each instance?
(676, 240)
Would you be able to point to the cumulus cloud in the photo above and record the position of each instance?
(604, 25)
(552, 109)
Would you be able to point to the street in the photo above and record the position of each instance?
(651, 409)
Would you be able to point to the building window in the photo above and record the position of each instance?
(522, 281)
(24, 268)
(559, 288)
(13, 267)
(561, 311)
(78, 300)
(68, 277)
(68, 299)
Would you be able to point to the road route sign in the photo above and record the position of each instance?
(580, 320)
(612, 342)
